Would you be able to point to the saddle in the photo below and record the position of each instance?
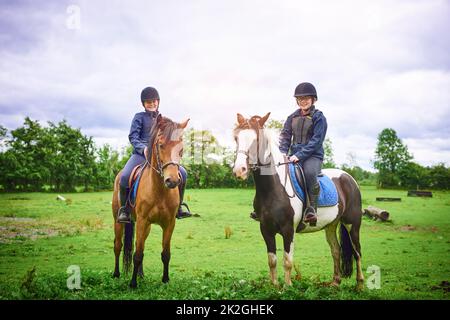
(133, 183)
(328, 196)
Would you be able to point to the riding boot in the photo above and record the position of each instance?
(311, 211)
(123, 215)
(181, 213)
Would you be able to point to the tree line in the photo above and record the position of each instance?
(60, 158)
(396, 166)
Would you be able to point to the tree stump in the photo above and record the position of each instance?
(376, 213)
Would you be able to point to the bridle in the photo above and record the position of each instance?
(159, 165)
(258, 164)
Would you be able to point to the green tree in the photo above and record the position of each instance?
(275, 124)
(439, 176)
(391, 156)
(413, 175)
(3, 136)
(328, 161)
(25, 159)
(73, 161)
(107, 167)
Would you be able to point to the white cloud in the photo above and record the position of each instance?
(375, 64)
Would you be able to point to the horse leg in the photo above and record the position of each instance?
(141, 266)
(269, 238)
(118, 234)
(142, 231)
(354, 236)
(332, 240)
(288, 256)
(165, 254)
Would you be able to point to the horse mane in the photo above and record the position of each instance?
(163, 127)
(273, 139)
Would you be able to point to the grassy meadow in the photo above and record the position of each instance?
(41, 237)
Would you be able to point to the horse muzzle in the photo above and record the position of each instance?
(172, 183)
(241, 172)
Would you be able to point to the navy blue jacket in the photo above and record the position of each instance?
(313, 147)
(140, 130)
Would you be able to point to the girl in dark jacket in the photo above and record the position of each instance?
(302, 138)
(139, 137)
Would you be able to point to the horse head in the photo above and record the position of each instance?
(246, 134)
(167, 146)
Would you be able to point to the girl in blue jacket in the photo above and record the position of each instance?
(139, 137)
(302, 138)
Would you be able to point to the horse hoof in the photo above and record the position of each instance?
(165, 280)
(133, 285)
(331, 284)
(360, 286)
(116, 275)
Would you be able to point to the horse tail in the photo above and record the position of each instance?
(347, 253)
(128, 246)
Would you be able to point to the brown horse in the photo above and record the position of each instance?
(157, 198)
(280, 211)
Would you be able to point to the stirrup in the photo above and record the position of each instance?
(312, 219)
(123, 216)
(183, 214)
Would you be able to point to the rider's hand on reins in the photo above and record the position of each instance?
(294, 159)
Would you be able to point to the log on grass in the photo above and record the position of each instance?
(417, 193)
(376, 213)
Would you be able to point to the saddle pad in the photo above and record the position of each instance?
(328, 195)
(135, 188)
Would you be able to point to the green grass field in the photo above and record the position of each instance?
(41, 237)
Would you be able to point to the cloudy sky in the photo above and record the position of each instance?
(375, 64)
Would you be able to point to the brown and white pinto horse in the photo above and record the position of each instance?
(157, 198)
(280, 211)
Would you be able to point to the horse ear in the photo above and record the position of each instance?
(240, 118)
(264, 119)
(183, 124)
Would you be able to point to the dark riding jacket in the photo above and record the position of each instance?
(304, 135)
(140, 130)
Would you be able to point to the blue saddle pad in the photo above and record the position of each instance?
(134, 189)
(328, 196)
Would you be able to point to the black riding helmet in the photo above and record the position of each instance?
(149, 93)
(305, 89)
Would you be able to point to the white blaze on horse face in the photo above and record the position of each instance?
(246, 145)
